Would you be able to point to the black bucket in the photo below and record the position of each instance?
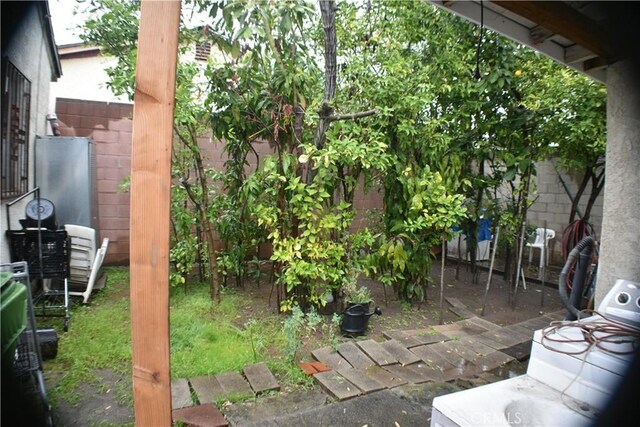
(355, 319)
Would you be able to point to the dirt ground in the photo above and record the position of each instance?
(399, 315)
(100, 404)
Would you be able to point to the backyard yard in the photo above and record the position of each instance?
(89, 382)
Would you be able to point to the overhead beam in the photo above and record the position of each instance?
(539, 34)
(507, 26)
(564, 20)
(150, 197)
(577, 53)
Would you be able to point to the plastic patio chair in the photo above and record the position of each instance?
(541, 244)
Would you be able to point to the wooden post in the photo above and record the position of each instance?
(150, 197)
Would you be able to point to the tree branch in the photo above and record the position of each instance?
(351, 116)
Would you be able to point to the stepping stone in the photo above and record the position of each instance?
(455, 302)
(363, 381)
(311, 368)
(535, 323)
(234, 385)
(378, 353)
(483, 323)
(461, 312)
(432, 358)
(556, 315)
(180, 394)
(401, 353)
(475, 345)
(338, 386)
(505, 336)
(459, 329)
(457, 350)
(415, 375)
(206, 415)
(402, 337)
(493, 360)
(461, 365)
(260, 378)
(354, 355)
(487, 340)
(521, 331)
(427, 335)
(207, 389)
(519, 351)
(385, 378)
(330, 357)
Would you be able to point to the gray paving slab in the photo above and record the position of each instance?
(414, 376)
(354, 355)
(385, 378)
(260, 378)
(402, 354)
(483, 323)
(428, 355)
(505, 336)
(337, 385)
(330, 357)
(402, 337)
(233, 384)
(361, 379)
(377, 352)
(180, 394)
(427, 335)
(207, 389)
(493, 360)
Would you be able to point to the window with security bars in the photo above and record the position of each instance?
(16, 105)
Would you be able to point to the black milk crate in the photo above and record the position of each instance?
(56, 250)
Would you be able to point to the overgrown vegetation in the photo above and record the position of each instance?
(205, 339)
(447, 119)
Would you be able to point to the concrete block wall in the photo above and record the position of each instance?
(110, 126)
(553, 204)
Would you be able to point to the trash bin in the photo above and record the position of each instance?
(13, 316)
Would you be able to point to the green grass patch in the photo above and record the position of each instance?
(206, 339)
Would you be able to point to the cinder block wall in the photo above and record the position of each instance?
(109, 125)
(554, 204)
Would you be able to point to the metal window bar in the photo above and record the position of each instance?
(16, 105)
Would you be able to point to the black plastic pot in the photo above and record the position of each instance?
(355, 319)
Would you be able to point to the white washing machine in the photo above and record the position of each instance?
(573, 371)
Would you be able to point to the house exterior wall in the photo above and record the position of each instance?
(85, 78)
(29, 51)
(620, 243)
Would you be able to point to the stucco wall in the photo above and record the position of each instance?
(620, 243)
(29, 52)
(86, 79)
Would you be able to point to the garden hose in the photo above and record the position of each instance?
(587, 243)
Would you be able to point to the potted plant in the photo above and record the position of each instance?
(358, 295)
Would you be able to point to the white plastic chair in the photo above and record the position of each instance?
(86, 260)
(542, 244)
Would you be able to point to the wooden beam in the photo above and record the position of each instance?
(577, 53)
(562, 19)
(150, 197)
(540, 34)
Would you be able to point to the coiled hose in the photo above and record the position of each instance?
(582, 252)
